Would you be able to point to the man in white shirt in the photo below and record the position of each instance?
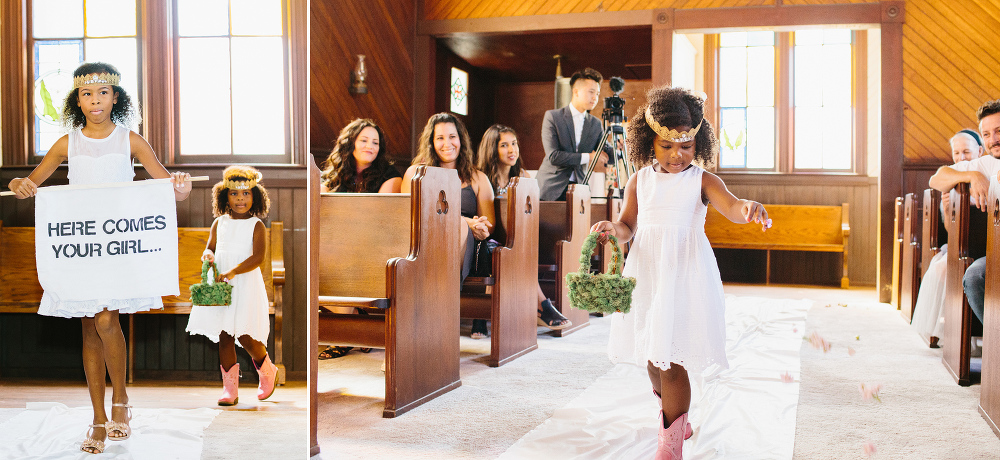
(980, 173)
(570, 136)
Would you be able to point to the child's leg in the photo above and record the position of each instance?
(227, 350)
(94, 368)
(110, 331)
(674, 389)
(257, 350)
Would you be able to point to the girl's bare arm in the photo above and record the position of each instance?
(144, 153)
(624, 228)
(735, 209)
(24, 187)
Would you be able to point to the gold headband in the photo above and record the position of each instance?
(246, 183)
(103, 78)
(670, 134)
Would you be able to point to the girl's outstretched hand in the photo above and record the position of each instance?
(604, 228)
(754, 212)
(208, 255)
(181, 181)
(22, 187)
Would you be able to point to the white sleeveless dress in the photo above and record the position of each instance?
(98, 161)
(678, 306)
(247, 315)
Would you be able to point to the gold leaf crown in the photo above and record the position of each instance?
(103, 78)
(241, 179)
(670, 134)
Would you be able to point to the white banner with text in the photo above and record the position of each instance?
(112, 241)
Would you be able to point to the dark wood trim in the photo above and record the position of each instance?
(313, 255)
(784, 108)
(785, 17)
(890, 178)
(298, 79)
(663, 46)
(536, 23)
(156, 20)
(711, 74)
(14, 75)
(860, 52)
(425, 77)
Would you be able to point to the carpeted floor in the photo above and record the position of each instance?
(922, 414)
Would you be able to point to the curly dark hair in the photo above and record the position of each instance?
(988, 108)
(488, 159)
(340, 169)
(220, 193)
(671, 108)
(122, 113)
(426, 155)
(588, 73)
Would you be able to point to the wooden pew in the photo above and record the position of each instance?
(508, 297)
(796, 228)
(563, 225)
(909, 283)
(932, 229)
(989, 398)
(397, 257)
(897, 250)
(965, 244)
(21, 293)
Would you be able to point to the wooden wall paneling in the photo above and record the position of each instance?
(383, 31)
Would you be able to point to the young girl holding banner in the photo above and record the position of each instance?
(100, 149)
(237, 244)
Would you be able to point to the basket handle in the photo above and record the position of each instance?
(590, 244)
(205, 265)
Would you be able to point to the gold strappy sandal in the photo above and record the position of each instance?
(113, 427)
(91, 443)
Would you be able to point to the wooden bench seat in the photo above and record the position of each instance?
(562, 227)
(510, 302)
(796, 228)
(397, 257)
(21, 293)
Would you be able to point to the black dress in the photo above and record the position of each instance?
(469, 208)
(373, 186)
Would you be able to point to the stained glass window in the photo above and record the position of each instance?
(459, 91)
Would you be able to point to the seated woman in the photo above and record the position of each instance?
(500, 159)
(445, 143)
(928, 313)
(358, 164)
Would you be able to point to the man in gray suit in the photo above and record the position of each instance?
(570, 136)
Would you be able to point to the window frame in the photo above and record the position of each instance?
(158, 84)
(784, 107)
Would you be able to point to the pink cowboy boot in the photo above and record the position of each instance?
(230, 385)
(687, 428)
(268, 374)
(671, 439)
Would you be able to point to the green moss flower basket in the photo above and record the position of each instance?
(209, 293)
(603, 292)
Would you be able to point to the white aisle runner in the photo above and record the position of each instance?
(744, 412)
(55, 431)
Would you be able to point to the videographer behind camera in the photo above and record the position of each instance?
(570, 136)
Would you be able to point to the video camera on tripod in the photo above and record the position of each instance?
(613, 117)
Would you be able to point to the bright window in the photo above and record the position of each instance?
(786, 100)
(746, 100)
(823, 114)
(459, 91)
(66, 33)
